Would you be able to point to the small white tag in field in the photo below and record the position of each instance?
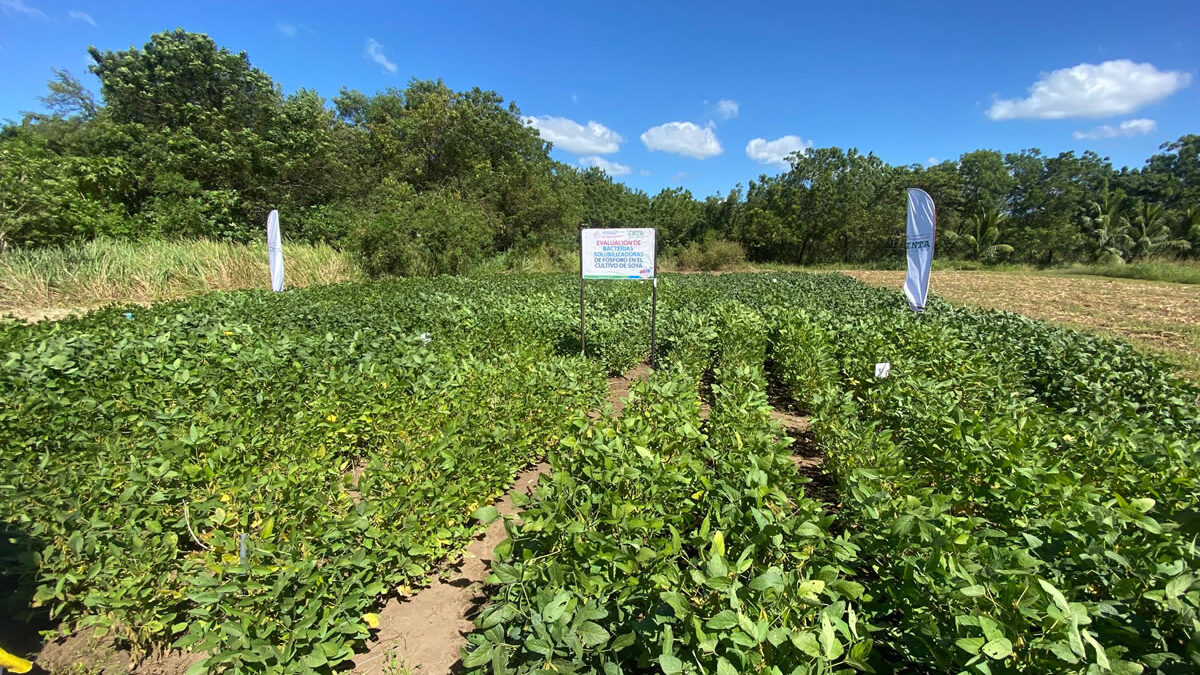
(882, 369)
(425, 338)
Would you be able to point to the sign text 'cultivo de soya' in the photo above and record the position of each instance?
(618, 253)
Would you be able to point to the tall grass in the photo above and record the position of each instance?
(1178, 272)
(94, 273)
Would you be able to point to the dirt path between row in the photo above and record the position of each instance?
(618, 387)
(426, 632)
(806, 455)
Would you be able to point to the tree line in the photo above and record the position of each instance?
(191, 140)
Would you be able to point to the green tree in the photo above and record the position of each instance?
(982, 241)
(1188, 227)
(832, 205)
(1151, 232)
(676, 216)
(985, 179)
(1111, 232)
(1172, 178)
(201, 121)
(944, 184)
(46, 198)
(423, 233)
(184, 80)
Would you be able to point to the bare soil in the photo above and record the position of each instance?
(806, 456)
(36, 314)
(81, 653)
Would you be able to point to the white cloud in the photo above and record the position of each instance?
(610, 168)
(727, 109)
(569, 135)
(680, 177)
(644, 172)
(293, 29)
(10, 7)
(1138, 127)
(81, 16)
(683, 138)
(1091, 90)
(932, 160)
(375, 53)
(776, 152)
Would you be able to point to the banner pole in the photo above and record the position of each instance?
(582, 344)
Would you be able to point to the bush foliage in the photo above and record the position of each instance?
(214, 145)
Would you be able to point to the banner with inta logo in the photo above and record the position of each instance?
(921, 221)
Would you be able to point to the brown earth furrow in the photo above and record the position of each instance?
(429, 629)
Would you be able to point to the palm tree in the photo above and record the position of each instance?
(983, 243)
(1110, 230)
(1152, 232)
(1189, 227)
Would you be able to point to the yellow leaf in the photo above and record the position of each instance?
(14, 663)
(372, 620)
(718, 543)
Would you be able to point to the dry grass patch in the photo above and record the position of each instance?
(53, 282)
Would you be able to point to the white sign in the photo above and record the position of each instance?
(882, 369)
(626, 253)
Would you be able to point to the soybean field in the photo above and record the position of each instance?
(249, 477)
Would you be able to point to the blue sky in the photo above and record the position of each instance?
(679, 93)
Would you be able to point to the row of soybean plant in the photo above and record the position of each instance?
(669, 543)
(217, 476)
(1004, 529)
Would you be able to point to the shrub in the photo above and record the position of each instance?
(46, 198)
(326, 223)
(180, 208)
(543, 258)
(424, 234)
(711, 255)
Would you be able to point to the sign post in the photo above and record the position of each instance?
(619, 253)
(582, 343)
